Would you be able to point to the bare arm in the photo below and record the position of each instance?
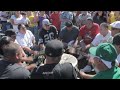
(28, 49)
(86, 76)
(27, 59)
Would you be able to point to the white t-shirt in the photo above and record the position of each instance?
(25, 40)
(16, 21)
(25, 20)
(101, 39)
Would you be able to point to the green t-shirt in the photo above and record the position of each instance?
(113, 73)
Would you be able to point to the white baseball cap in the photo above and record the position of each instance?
(115, 24)
(46, 22)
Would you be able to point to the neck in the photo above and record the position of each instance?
(50, 62)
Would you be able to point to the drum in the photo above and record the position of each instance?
(69, 58)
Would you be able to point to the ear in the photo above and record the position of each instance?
(98, 60)
(17, 56)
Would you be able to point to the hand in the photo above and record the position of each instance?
(75, 46)
(35, 53)
(82, 74)
(83, 49)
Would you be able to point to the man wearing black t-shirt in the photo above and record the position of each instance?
(48, 32)
(52, 69)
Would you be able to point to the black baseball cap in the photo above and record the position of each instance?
(54, 48)
(68, 24)
(116, 39)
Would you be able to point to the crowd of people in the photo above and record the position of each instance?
(59, 44)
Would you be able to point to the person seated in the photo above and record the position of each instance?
(10, 65)
(26, 39)
(52, 69)
(47, 33)
(87, 33)
(101, 37)
(7, 40)
(11, 33)
(103, 59)
(69, 33)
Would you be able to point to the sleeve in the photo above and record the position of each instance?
(41, 41)
(61, 34)
(97, 29)
(95, 41)
(21, 41)
(21, 73)
(32, 36)
(97, 76)
(81, 32)
(55, 32)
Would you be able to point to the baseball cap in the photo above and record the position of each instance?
(46, 22)
(90, 18)
(68, 24)
(116, 39)
(54, 48)
(106, 52)
(115, 24)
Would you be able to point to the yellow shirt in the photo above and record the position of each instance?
(31, 18)
(112, 17)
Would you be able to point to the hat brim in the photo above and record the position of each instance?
(113, 26)
(108, 64)
(92, 50)
(48, 24)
